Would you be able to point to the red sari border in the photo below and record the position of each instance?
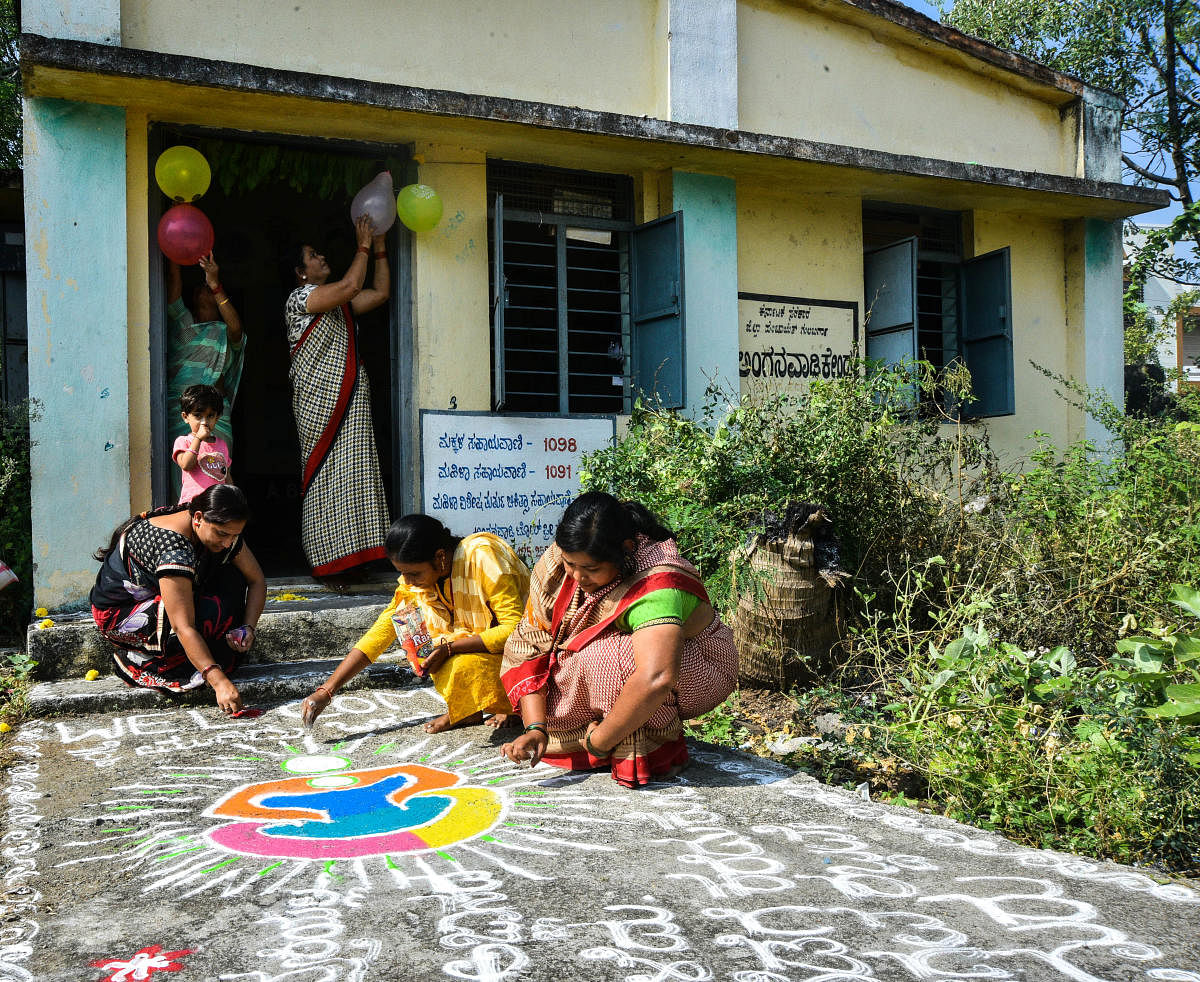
(346, 562)
(529, 676)
(667, 580)
(349, 380)
(631, 772)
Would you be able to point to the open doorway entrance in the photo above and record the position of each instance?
(265, 201)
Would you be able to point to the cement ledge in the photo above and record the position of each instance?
(89, 58)
(257, 683)
(320, 627)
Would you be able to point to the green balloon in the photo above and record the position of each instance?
(182, 173)
(419, 207)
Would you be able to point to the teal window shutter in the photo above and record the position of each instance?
(656, 308)
(890, 281)
(499, 299)
(986, 329)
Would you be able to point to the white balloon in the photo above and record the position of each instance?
(377, 199)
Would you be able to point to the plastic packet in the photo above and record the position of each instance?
(413, 636)
(238, 635)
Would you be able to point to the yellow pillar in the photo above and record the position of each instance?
(453, 341)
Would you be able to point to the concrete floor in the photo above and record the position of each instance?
(160, 840)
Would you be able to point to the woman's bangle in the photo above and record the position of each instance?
(587, 742)
(204, 671)
(381, 255)
(538, 726)
(364, 250)
(328, 694)
(222, 300)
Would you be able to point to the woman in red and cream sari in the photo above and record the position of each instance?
(619, 644)
(344, 509)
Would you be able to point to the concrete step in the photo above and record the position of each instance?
(300, 621)
(258, 684)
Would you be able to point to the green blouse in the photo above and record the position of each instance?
(667, 606)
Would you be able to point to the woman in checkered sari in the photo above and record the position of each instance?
(619, 644)
(344, 510)
(471, 592)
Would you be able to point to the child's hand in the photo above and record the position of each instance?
(203, 432)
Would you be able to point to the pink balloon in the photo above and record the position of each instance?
(185, 234)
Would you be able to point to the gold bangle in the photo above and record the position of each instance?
(222, 300)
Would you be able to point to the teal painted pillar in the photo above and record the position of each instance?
(78, 342)
(1103, 321)
(709, 206)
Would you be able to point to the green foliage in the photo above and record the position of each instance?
(16, 677)
(1079, 730)
(16, 549)
(1147, 52)
(1100, 759)
(241, 167)
(717, 725)
(1144, 332)
(886, 475)
(10, 89)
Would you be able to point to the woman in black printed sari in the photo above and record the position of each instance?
(179, 595)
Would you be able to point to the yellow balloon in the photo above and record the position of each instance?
(182, 173)
(419, 207)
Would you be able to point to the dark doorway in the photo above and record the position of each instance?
(258, 231)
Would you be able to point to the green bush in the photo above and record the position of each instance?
(1074, 745)
(890, 479)
(16, 602)
(1099, 760)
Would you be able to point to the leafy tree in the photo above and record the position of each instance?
(10, 88)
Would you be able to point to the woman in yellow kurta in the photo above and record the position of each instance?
(471, 592)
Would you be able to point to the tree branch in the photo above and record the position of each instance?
(1148, 175)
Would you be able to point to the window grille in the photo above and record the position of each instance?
(562, 310)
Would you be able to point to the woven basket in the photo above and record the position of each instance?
(785, 623)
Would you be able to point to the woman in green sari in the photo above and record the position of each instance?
(205, 344)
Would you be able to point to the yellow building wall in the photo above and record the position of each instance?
(793, 246)
(804, 75)
(453, 332)
(137, 179)
(609, 56)
(1037, 254)
(811, 247)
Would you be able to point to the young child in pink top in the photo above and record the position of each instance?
(201, 454)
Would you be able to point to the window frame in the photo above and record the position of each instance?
(498, 214)
(958, 268)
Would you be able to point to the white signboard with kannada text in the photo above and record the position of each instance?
(786, 342)
(509, 475)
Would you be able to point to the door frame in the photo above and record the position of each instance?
(402, 368)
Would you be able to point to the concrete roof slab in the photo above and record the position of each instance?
(212, 93)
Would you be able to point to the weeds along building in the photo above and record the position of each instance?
(639, 195)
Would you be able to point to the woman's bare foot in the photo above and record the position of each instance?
(442, 723)
(498, 721)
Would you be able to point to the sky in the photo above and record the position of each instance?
(928, 9)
